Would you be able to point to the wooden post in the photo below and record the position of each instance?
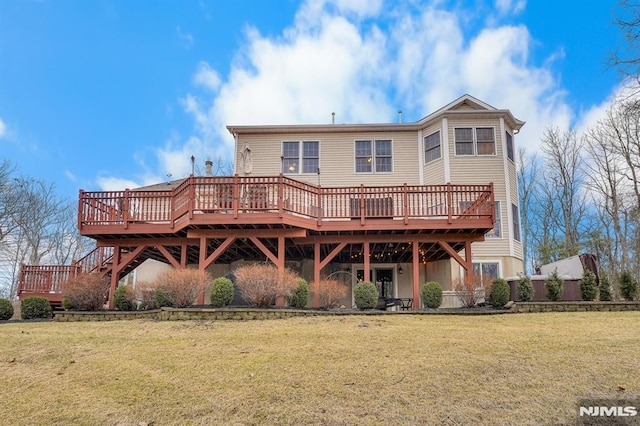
(280, 302)
(316, 274)
(416, 275)
(114, 275)
(367, 265)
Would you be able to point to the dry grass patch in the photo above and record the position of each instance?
(506, 369)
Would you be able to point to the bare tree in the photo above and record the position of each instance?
(606, 180)
(527, 172)
(626, 57)
(7, 199)
(623, 126)
(564, 175)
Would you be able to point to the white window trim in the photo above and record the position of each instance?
(373, 157)
(424, 147)
(300, 156)
(475, 142)
(506, 146)
(481, 261)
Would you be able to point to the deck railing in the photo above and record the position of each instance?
(279, 194)
(48, 279)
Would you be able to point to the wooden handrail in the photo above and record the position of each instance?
(281, 194)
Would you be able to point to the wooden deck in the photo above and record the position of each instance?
(239, 201)
(275, 217)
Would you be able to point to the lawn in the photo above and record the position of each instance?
(393, 369)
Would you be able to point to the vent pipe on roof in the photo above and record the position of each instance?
(333, 118)
(399, 116)
(208, 165)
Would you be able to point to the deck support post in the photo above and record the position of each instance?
(416, 275)
(367, 263)
(316, 274)
(114, 276)
(205, 260)
(280, 300)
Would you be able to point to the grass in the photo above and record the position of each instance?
(405, 369)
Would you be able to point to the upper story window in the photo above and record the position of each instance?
(516, 222)
(475, 141)
(300, 157)
(510, 147)
(374, 156)
(432, 147)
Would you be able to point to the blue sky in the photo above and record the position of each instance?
(108, 94)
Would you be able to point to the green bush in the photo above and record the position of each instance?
(554, 287)
(161, 299)
(123, 298)
(525, 289)
(431, 294)
(499, 293)
(6, 309)
(365, 295)
(604, 289)
(628, 286)
(221, 292)
(300, 295)
(67, 304)
(34, 307)
(588, 286)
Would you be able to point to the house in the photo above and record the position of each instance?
(397, 204)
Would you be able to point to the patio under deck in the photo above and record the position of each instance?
(221, 219)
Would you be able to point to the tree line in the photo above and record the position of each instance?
(37, 226)
(581, 193)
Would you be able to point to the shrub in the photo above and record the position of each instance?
(259, 285)
(588, 286)
(431, 294)
(221, 292)
(330, 292)
(34, 307)
(366, 295)
(469, 291)
(180, 288)
(87, 291)
(300, 295)
(628, 286)
(144, 293)
(499, 293)
(525, 289)
(66, 304)
(604, 289)
(123, 298)
(553, 287)
(6, 309)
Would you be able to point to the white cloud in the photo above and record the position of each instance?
(363, 62)
(110, 183)
(510, 6)
(70, 176)
(3, 128)
(185, 38)
(207, 77)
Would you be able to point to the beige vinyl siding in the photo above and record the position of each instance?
(517, 245)
(483, 169)
(337, 157)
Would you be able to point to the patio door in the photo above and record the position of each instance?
(382, 278)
